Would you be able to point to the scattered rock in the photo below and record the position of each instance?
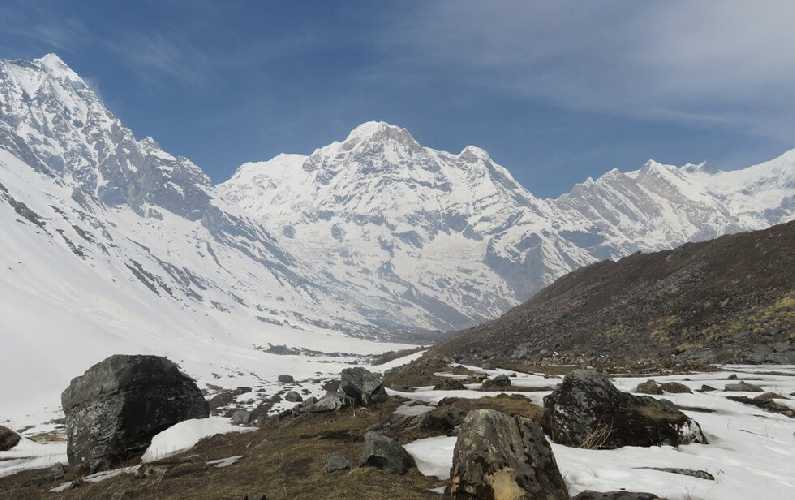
(649, 387)
(362, 386)
(449, 384)
(769, 396)
(765, 404)
(329, 402)
(742, 387)
(115, 408)
(498, 382)
(615, 495)
(226, 397)
(733, 376)
(293, 397)
(385, 453)
(286, 379)
(497, 456)
(336, 462)
(700, 474)
(706, 388)
(675, 388)
(241, 417)
(588, 411)
(8, 438)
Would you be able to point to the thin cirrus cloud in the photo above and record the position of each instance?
(725, 63)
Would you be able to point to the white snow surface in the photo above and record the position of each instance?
(751, 452)
(184, 436)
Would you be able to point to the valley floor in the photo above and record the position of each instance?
(750, 452)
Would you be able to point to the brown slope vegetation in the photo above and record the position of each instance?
(731, 299)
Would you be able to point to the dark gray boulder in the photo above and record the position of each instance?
(8, 438)
(362, 386)
(615, 495)
(385, 453)
(706, 388)
(286, 379)
(115, 408)
(588, 411)
(498, 456)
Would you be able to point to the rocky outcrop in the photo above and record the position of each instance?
(385, 453)
(449, 384)
(8, 438)
(500, 382)
(502, 457)
(588, 411)
(649, 387)
(362, 386)
(115, 408)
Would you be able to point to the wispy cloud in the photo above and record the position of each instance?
(726, 63)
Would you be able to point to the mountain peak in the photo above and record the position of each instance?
(378, 131)
(55, 66)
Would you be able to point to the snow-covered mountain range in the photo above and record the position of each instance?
(374, 235)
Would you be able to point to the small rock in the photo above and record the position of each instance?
(742, 387)
(769, 396)
(675, 388)
(697, 473)
(706, 388)
(498, 382)
(293, 397)
(449, 384)
(385, 453)
(649, 387)
(286, 379)
(615, 495)
(336, 462)
(497, 456)
(732, 377)
(8, 438)
(241, 417)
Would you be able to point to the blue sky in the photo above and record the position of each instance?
(555, 91)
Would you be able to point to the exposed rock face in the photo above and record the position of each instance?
(115, 408)
(588, 411)
(8, 438)
(616, 495)
(501, 457)
(385, 453)
(362, 386)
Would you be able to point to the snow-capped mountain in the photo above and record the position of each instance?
(372, 235)
(459, 234)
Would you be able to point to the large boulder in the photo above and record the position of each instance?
(8, 438)
(385, 453)
(588, 411)
(502, 457)
(362, 386)
(115, 408)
